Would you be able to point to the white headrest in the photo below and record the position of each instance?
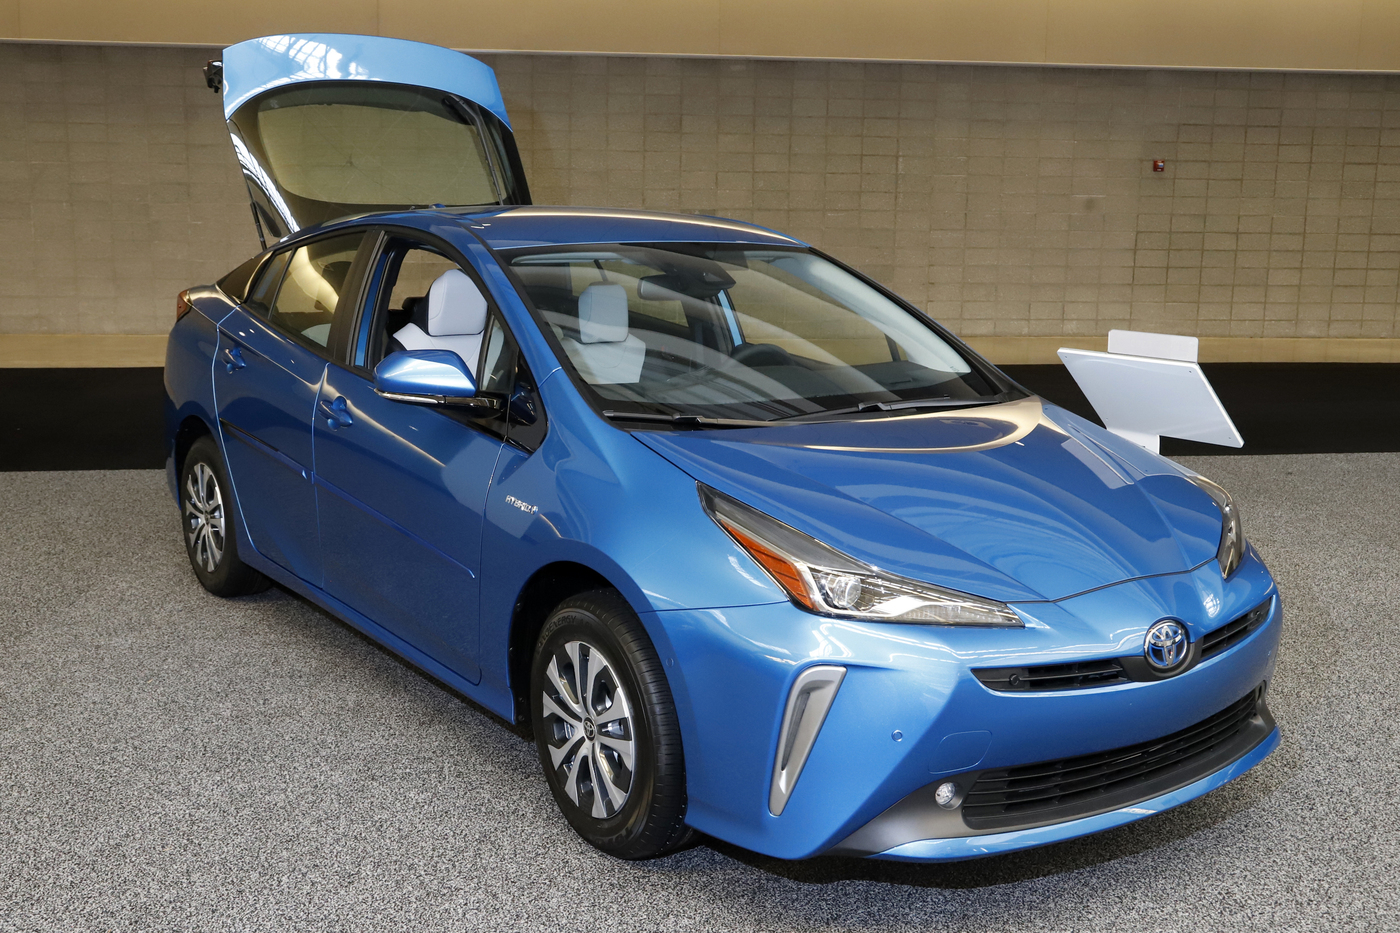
(455, 306)
(602, 314)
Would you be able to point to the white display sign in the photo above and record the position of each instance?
(1157, 391)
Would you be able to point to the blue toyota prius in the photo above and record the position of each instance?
(748, 544)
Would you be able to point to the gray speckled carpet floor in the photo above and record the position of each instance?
(172, 761)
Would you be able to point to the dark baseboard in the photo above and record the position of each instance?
(82, 419)
(1279, 408)
(110, 419)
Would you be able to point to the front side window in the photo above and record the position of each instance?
(402, 319)
(739, 332)
(311, 288)
(400, 316)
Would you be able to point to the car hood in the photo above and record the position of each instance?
(1016, 502)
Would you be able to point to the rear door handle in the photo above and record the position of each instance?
(235, 358)
(336, 413)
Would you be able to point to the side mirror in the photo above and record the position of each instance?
(521, 405)
(430, 377)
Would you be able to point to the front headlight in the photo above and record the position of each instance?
(821, 579)
(1231, 550)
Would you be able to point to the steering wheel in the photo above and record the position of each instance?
(761, 354)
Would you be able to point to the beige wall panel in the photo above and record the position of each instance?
(1207, 33)
(668, 27)
(191, 22)
(897, 30)
(1380, 35)
(1013, 203)
(1255, 34)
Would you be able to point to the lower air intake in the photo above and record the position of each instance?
(1086, 784)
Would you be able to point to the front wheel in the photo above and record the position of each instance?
(606, 728)
(208, 516)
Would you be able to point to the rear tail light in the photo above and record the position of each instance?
(182, 304)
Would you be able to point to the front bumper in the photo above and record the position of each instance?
(910, 712)
(1069, 794)
(968, 847)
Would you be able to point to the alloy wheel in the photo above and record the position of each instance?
(204, 517)
(588, 729)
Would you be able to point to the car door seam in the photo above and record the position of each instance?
(386, 520)
(263, 447)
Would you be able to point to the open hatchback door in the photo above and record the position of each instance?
(327, 125)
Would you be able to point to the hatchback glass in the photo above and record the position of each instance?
(749, 333)
(374, 146)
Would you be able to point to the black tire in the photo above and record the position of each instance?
(208, 523)
(620, 661)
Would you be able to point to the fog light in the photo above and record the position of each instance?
(948, 795)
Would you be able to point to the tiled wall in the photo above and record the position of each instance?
(1009, 201)
(118, 188)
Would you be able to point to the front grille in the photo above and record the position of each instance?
(1073, 786)
(1073, 676)
(1232, 633)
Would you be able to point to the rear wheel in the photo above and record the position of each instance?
(208, 519)
(606, 728)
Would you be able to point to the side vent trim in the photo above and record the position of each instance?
(808, 702)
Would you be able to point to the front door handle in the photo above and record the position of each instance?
(235, 359)
(336, 413)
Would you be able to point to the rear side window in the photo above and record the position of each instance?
(315, 276)
(235, 284)
(259, 299)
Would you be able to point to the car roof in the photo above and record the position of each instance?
(513, 227)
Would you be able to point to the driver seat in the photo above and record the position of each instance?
(454, 320)
(605, 352)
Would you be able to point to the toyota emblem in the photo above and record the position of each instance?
(1166, 645)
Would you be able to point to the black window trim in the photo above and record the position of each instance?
(267, 268)
(258, 261)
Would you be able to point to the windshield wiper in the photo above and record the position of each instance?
(881, 407)
(682, 420)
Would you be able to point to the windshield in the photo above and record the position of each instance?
(736, 332)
